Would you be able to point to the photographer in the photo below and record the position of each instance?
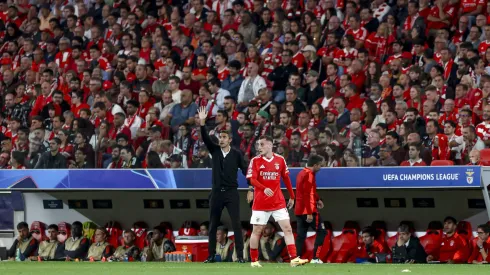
(408, 248)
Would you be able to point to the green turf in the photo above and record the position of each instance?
(7, 268)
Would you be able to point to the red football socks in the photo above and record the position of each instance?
(254, 254)
(291, 251)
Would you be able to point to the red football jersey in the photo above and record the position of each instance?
(268, 172)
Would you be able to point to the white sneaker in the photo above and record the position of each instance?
(316, 261)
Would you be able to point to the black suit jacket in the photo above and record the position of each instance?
(414, 251)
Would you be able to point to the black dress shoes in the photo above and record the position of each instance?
(210, 259)
(241, 261)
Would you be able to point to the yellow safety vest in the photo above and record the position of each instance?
(47, 249)
(246, 250)
(263, 241)
(223, 250)
(71, 244)
(96, 251)
(156, 252)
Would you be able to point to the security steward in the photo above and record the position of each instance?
(226, 162)
(129, 249)
(100, 249)
(51, 249)
(307, 205)
(25, 242)
(76, 247)
(224, 246)
(159, 245)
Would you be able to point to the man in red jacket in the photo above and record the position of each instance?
(307, 205)
(454, 248)
(369, 249)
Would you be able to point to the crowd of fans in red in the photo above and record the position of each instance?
(88, 84)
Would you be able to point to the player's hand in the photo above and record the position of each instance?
(319, 204)
(268, 192)
(309, 218)
(203, 114)
(250, 196)
(290, 203)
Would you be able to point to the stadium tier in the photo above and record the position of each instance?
(115, 110)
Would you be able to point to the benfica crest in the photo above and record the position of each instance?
(276, 165)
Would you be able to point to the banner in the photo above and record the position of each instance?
(333, 178)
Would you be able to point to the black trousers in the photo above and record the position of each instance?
(302, 230)
(218, 200)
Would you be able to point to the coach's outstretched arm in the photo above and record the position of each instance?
(203, 114)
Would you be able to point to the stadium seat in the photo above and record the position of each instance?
(345, 244)
(464, 229)
(140, 229)
(169, 231)
(380, 227)
(438, 162)
(115, 232)
(327, 243)
(38, 231)
(189, 228)
(431, 241)
(64, 230)
(485, 157)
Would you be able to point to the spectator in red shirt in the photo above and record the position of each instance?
(414, 156)
(353, 97)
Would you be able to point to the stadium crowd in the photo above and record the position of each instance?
(449, 242)
(116, 84)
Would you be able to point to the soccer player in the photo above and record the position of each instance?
(265, 172)
(50, 249)
(307, 205)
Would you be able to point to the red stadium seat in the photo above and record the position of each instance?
(464, 229)
(380, 227)
(431, 241)
(438, 162)
(485, 157)
(169, 231)
(343, 246)
(38, 231)
(64, 230)
(189, 228)
(392, 241)
(115, 232)
(140, 229)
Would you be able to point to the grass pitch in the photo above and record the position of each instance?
(7, 268)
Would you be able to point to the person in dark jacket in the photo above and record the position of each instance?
(52, 159)
(280, 76)
(408, 248)
(226, 162)
(25, 242)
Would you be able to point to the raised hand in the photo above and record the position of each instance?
(203, 114)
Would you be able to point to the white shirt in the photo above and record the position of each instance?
(225, 153)
(176, 96)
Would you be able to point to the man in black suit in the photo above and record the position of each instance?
(408, 248)
(226, 162)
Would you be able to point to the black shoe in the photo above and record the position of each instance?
(241, 261)
(210, 259)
